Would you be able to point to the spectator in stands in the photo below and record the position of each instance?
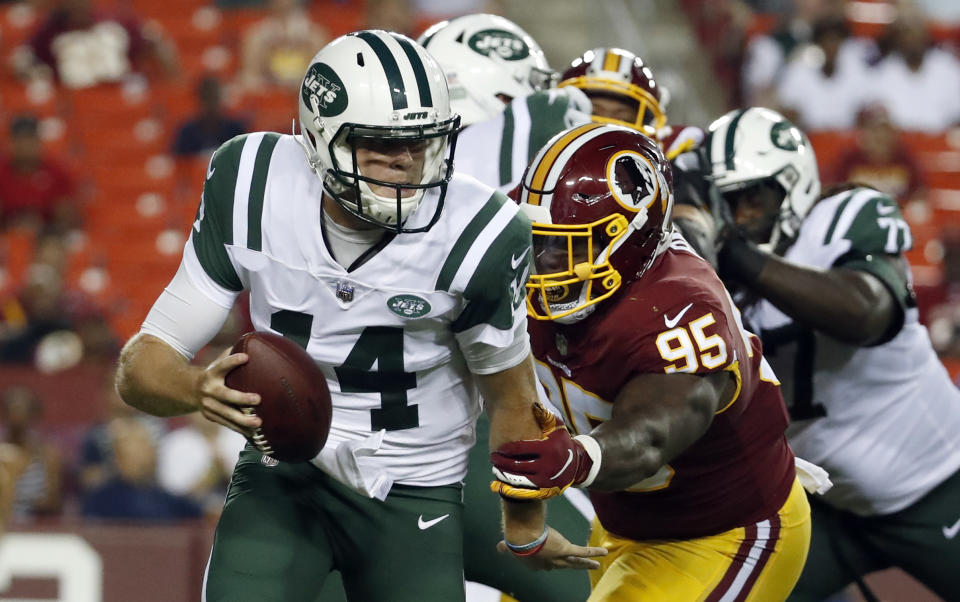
(824, 84)
(918, 83)
(197, 460)
(133, 493)
(37, 311)
(9, 459)
(97, 464)
(767, 54)
(879, 158)
(36, 190)
(391, 15)
(277, 50)
(210, 127)
(83, 46)
(51, 326)
(34, 464)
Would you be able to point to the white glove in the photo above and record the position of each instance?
(813, 478)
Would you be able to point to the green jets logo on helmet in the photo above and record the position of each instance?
(408, 306)
(786, 136)
(502, 43)
(324, 88)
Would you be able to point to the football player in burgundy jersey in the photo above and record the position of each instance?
(623, 91)
(678, 419)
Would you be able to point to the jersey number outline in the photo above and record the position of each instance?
(686, 350)
(380, 345)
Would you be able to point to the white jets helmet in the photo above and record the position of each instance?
(383, 86)
(758, 146)
(488, 61)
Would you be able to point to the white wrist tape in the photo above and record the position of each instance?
(593, 450)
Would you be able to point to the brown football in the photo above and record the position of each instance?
(295, 404)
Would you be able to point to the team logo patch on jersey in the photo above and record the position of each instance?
(344, 292)
(408, 306)
(322, 86)
(785, 135)
(502, 43)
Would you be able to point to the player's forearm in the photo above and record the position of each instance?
(655, 418)
(154, 378)
(847, 305)
(509, 397)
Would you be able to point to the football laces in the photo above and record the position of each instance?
(259, 440)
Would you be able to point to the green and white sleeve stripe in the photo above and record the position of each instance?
(466, 253)
(232, 206)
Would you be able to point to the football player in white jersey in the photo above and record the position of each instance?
(503, 90)
(500, 85)
(406, 286)
(823, 279)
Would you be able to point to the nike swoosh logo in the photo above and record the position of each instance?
(951, 532)
(567, 463)
(885, 209)
(210, 172)
(426, 524)
(515, 261)
(673, 322)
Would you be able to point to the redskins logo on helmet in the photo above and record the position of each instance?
(600, 199)
(621, 76)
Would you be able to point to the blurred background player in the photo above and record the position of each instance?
(679, 419)
(623, 91)
(823, 280)
(502, 88)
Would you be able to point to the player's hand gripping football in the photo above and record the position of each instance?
(539, 469)
(222, 404)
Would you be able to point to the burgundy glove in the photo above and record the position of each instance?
(543, 468)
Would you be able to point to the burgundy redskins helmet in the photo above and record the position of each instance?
(600, 198)
(623, 75)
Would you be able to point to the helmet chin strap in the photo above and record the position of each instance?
(384, 209)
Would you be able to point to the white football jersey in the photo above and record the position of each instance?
(883, 420)
(497, 151)
(388, 333)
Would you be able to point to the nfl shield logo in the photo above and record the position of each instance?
(344, 292)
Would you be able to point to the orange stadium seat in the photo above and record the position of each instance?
(16, 249)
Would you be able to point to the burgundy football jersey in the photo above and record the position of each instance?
(676, 318)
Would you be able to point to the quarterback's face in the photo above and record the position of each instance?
(394, 161)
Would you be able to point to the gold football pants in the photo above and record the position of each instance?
(759, 562)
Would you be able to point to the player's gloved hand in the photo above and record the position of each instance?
(542, 468)
(738, 259)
